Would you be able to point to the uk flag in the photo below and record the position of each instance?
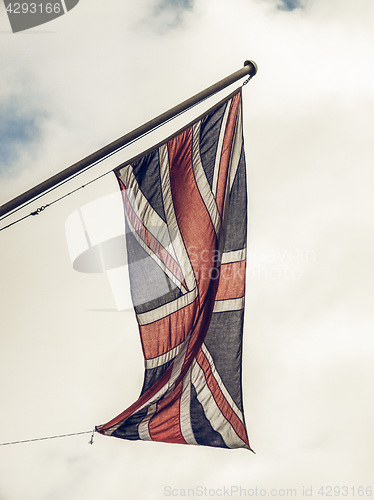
(185, 204)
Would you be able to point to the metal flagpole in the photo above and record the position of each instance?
(250, 68)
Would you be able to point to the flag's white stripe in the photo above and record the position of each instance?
(185, 410)
(219, 147)
(221, 384)
(177, 365)
(164, 358)
(143, 427)
(202, 182)
(141, 207)
(212, 411)
(228, 305)
(156, 258)
(150, 220)
(166, 309)
(236, 148)
(171, 220)
(234, 256)
(169, 386)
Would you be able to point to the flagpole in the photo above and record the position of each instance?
(249, 68)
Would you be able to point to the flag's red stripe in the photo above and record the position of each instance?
(220, 399)
(165, 423)
(194, 221)
(166, 333)
(231, 281)
(198, 234)
(226, 151)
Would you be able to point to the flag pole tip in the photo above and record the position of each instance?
(253, 65)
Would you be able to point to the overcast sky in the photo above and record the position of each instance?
(70, 361)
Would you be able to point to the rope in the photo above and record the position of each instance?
(36, 212)
(15, 222)
(52, 437)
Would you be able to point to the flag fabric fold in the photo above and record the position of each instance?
(185, 206)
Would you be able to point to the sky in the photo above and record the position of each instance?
(69, 360)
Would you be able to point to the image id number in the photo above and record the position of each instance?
(33, 8)
(344, 491)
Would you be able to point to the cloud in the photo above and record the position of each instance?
(175, 4)
(291, 4)
(168, 14)
(18, 129)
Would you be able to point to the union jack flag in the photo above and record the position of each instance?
(185, 207)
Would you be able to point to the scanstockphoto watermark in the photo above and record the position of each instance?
(28, 14)
(238, 491)
(279, 264)
(231, 491)
(97, 239)
(261, 264)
